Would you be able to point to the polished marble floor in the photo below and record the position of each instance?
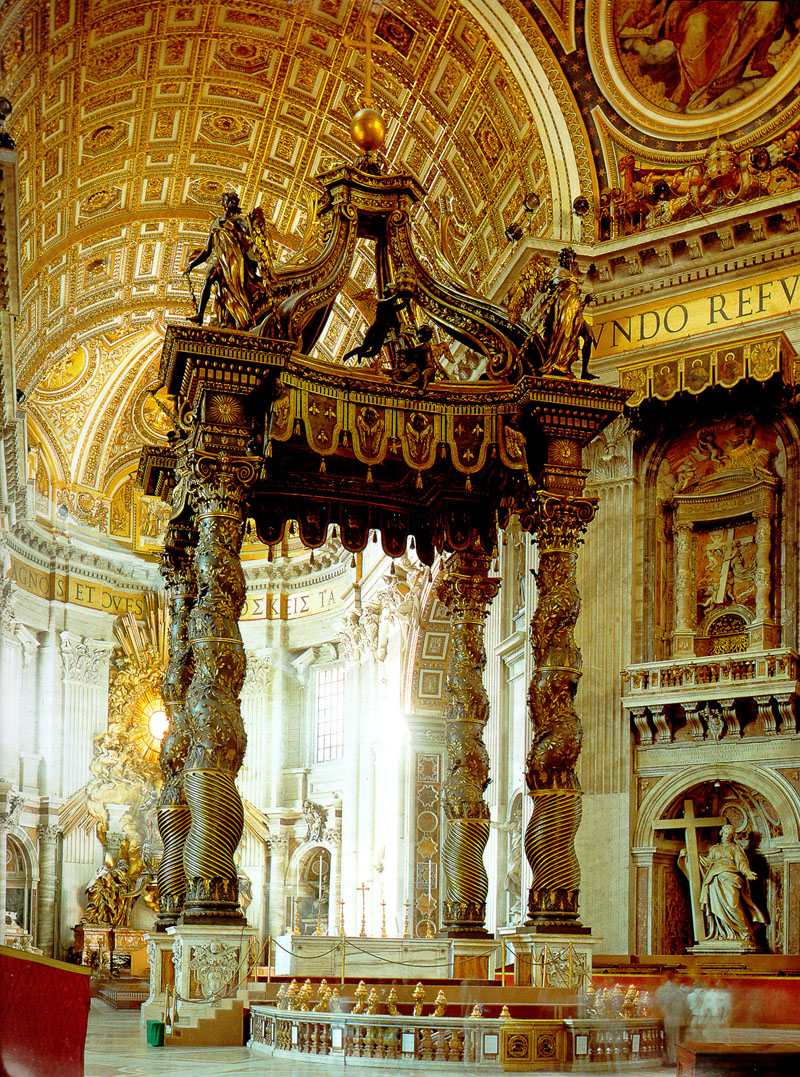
(116, 1047)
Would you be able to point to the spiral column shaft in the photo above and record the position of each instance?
(218, 488)
(173, 814)
(558, 522)
(466, 591)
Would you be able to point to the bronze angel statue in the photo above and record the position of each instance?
(559, 334)
(238, 262)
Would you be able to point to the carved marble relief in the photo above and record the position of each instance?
(718, 538)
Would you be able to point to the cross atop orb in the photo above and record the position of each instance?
(691, 824)
(369, 46)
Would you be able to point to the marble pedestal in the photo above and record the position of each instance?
(212, 964)
(547, 959)
(474, 959)
(99, 939)
(162, 975)
(724, 946)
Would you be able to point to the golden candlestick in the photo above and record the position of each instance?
(405, 925)
(341, 918)
(363, 891)
(296, 926)
(383, 919)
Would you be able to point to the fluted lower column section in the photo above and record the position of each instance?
(85, 685)
(219, 488)
(466, 591)
(46, 891)
(558, 522)
(173, 814)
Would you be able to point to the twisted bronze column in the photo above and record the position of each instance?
(466, 591)
(558, 521)
(173, 812)
(218, 488)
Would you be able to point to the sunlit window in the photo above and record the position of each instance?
(330, 714)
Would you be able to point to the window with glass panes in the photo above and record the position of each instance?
(330, 714)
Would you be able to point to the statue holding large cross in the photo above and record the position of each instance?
(723, 912)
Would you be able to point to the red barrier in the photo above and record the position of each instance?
(44, 1007)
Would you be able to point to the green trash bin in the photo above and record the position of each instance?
(155, 1033)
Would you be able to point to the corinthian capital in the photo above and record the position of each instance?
(85, 660)
(465, 588)
(558, 522)
(219, 485)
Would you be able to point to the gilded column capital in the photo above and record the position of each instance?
(220, 485)
(466, 589)
(558, 522)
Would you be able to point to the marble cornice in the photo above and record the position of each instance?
(54, 553)
(287, 575)
(729, 243)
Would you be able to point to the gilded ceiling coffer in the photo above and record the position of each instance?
(173, 812)
(557, 516)
(218, 489)
(466, 591)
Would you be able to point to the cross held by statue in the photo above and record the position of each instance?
(690, 823)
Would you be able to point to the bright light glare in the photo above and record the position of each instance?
(159, 724)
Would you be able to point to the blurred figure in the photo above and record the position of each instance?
(671, 1000)
(696, 1001)
(719, 1008)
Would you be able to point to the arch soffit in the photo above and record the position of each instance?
(556, 116)
(303, 854)
(23, 840)
(770, 784)
(417, 660)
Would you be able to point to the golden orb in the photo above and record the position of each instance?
(367, 129)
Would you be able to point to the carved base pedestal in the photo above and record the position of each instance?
(99, 939)
(474, 959)
(212, 965)
(550, 959)
(162, 975)
(725, 946)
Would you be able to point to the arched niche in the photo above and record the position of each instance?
(763, 808)
(312, 876)
(22, 877)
